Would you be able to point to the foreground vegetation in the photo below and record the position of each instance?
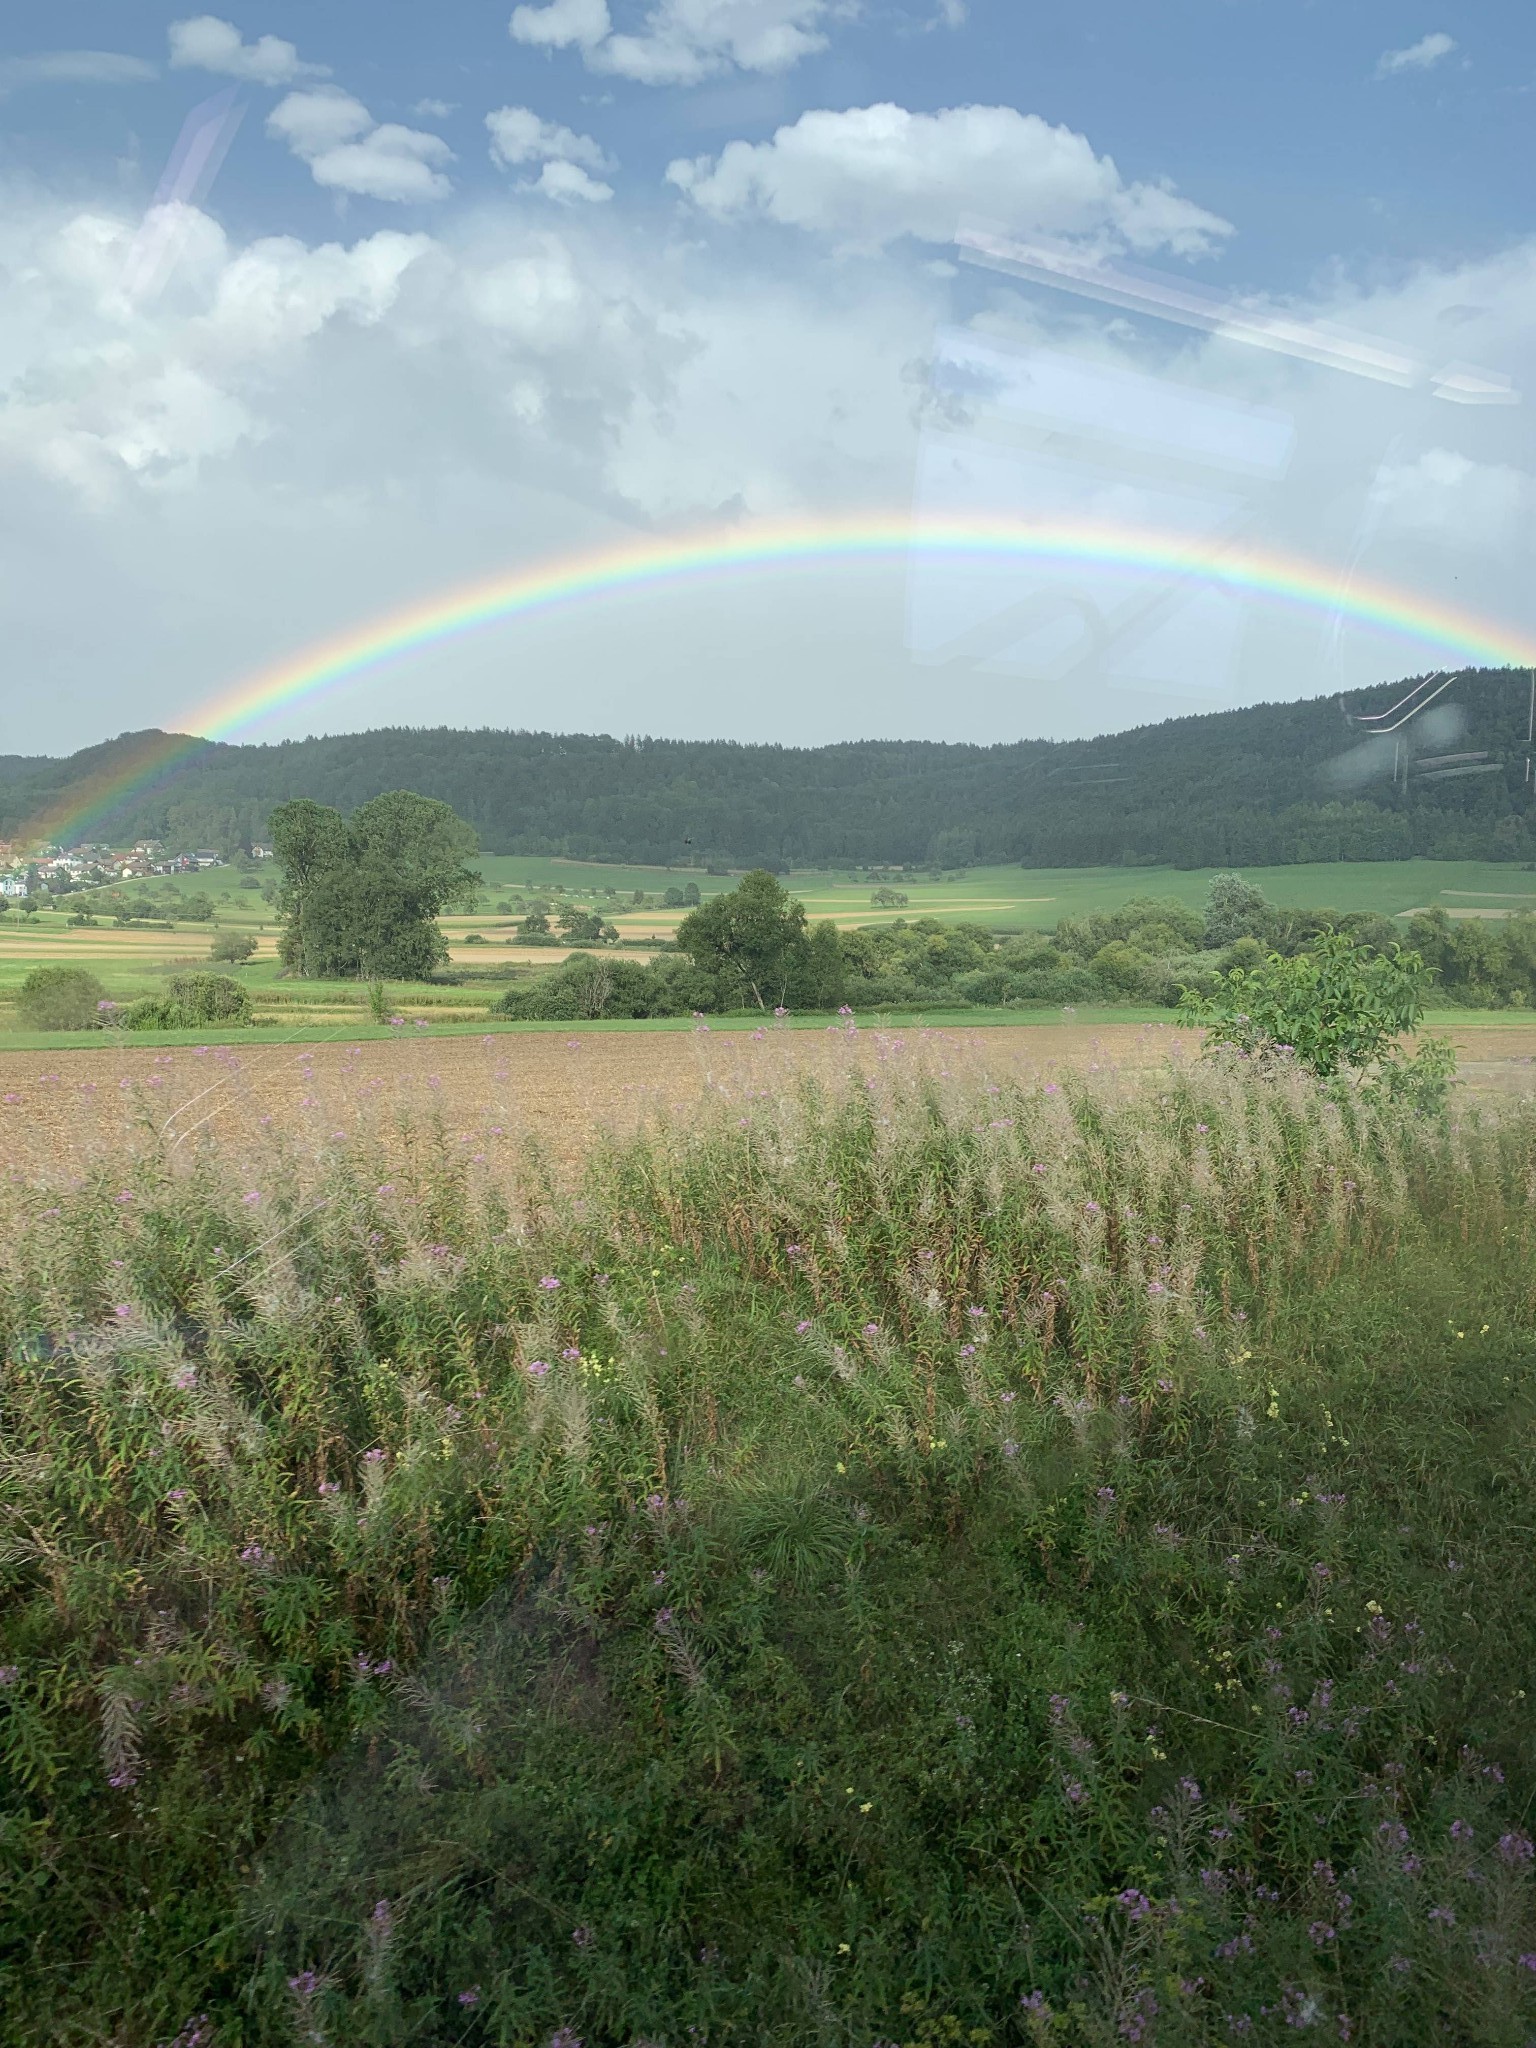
(927, 1564)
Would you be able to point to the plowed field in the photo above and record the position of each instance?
(60, 1109)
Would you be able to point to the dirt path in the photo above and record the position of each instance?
(59, 1108)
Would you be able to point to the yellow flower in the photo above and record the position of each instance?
(866, 1806)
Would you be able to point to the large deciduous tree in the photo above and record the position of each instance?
(754, 938)
(360, 896)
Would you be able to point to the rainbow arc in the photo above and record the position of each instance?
(238, 710)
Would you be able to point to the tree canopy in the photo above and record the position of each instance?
(1257, 786)
(360, 896)
(753, 936)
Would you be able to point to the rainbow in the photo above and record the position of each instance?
(804, 543)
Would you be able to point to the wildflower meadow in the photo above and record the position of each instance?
(903, 1561)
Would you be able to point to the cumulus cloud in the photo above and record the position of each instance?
(872, 174)
(336, 136)
(568, 183)
(683, 41)
(205, 43)
(1420, 56)
(296, 432)
(312, 122)
(153, 397)
(520, 136)
(1445, 495)
(74, 67)
(562, 24)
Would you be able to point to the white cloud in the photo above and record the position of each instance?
(1419, 56)
(872, 174)
(519, 136)
(148, 398)
(567, 182)
(683, 41)
(335, 135)
(390, 163)
(561, 24)
(74, 67)
(310, 122)
(951, 14)
(205, 43)
(435, 110)
(295, 434)
(1445, 495)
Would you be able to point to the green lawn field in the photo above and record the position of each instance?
(134, 960)
(1017, 899)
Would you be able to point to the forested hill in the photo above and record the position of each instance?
(1255, 787)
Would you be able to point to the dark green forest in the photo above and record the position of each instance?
(1261, 786)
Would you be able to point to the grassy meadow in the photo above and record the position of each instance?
(918, 1562)
(133, 961)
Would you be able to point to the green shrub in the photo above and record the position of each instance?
(235, 947)
(604, 986)
(1340, 1008)
(61, 999)
(191, 1001)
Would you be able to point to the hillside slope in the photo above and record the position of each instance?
(1268, 784)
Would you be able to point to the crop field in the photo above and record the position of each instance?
(563, 1088)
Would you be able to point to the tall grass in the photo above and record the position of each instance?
(915, 1561)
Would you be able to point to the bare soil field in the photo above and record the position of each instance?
(59, 1110)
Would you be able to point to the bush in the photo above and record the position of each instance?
(607, 987)
(191, 1001)
(1340, 1009)
(235, 947)
(61, 999)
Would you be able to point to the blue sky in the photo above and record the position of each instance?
(474, 285)
(1270, 112)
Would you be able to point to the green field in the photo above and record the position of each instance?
(133, 961)
(1018, 899)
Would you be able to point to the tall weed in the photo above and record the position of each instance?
(912, 1561)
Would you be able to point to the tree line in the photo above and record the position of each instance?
(754, 947)
(1266, 785)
